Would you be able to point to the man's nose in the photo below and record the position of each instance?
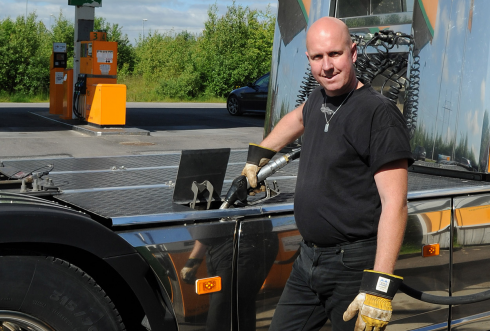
(327, 63)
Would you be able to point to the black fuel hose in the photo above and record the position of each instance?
(440, 300)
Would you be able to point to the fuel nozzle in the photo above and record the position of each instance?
(238, 191)
(240, 186)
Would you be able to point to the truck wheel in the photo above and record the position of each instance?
(45, 293)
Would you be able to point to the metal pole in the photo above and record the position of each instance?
(144, 19)
(26, 10)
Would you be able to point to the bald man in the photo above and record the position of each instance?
(351, 194)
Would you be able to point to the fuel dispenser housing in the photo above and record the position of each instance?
(67, 95)
(98, 99)
(99, 56)
(57, 67)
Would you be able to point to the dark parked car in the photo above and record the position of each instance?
(250, 98)
(419, 153)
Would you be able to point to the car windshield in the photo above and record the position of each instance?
(262, 81)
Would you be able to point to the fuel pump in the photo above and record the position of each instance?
(56, 77)
(97, 98)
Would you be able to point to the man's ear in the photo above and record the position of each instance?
(354, 52)
(308, 57)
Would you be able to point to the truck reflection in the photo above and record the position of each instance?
(254, 260)
(281, 247)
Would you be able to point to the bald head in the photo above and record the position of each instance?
(328, 27)
(332, 54)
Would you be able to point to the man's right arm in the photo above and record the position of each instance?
(289, 128)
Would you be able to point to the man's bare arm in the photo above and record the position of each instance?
(391, 181)
(287, 129)
(198, 251)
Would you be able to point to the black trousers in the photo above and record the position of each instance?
(322, 284)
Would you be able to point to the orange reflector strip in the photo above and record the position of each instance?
(208, 285)
(430, 250)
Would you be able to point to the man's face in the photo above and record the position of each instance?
(331, 58)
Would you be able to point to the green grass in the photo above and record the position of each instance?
(140, 91)
(24, 98)
(411, 249)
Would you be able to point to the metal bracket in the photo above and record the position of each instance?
(199, 189)
(40, 187)
(269, 193)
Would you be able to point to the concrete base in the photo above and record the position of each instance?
(92, 130)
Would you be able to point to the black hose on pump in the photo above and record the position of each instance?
(440, 300)
(76, 99)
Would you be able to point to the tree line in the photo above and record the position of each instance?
(233, 49)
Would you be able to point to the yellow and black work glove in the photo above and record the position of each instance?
(188, 272)
(258, 156)
(373, 303)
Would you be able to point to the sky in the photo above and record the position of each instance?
(163, 15)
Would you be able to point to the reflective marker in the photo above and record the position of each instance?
(208, 285)
(430, 250)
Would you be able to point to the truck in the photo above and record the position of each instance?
(142, 242)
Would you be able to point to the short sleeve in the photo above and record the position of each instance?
(305, 112)
(389, 137)
(312, 100)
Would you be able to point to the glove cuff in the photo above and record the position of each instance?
(257, 152)
(380, 284)
(191, 262)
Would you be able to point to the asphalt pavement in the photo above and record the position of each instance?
(26, 132)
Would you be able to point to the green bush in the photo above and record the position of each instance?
(24, 55)
(185, 86)
(235, 48)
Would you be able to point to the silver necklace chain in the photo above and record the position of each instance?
(326, 110)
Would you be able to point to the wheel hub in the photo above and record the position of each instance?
(233, 105)
(17, 321)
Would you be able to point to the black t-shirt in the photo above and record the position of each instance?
(336, 198)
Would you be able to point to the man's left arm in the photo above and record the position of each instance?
(391, 181)
(378, 286)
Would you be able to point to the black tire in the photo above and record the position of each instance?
(233, 106)
(56, 294)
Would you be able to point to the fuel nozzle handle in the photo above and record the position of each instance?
(240, 186)
(270, 168)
